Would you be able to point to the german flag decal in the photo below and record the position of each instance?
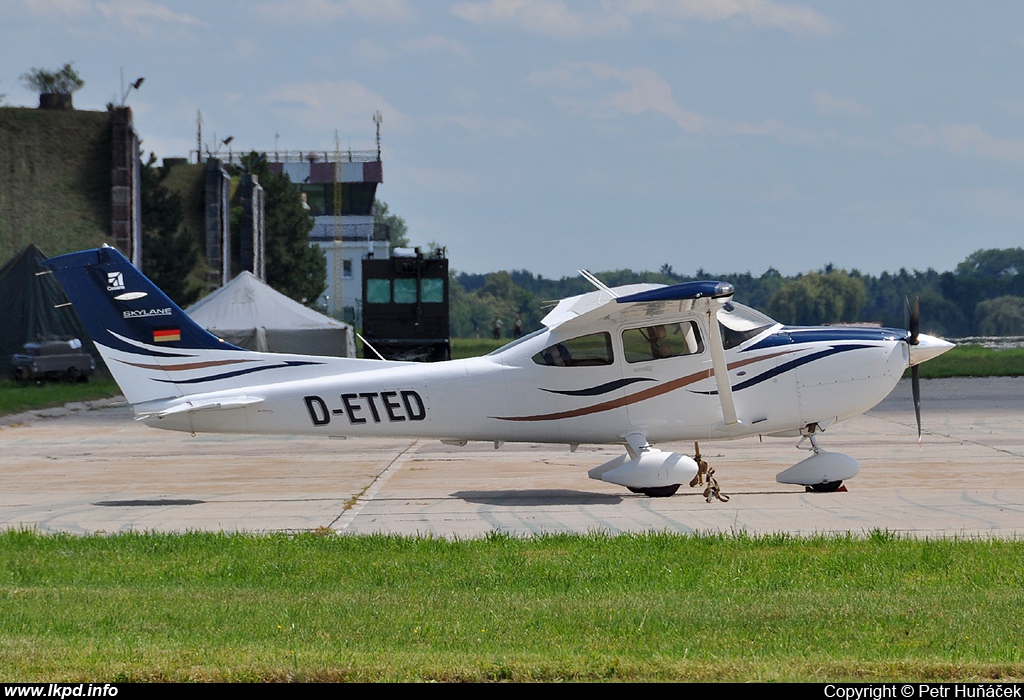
(166, 335)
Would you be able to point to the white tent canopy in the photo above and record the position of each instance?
(250, 314)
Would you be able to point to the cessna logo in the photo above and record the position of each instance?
(392, 406)
(143, 313)
(115, 281)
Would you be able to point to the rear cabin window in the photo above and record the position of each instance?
(661, 341)
(592, 350)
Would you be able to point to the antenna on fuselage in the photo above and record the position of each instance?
(601, 286)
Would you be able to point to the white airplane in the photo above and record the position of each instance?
(635, 365)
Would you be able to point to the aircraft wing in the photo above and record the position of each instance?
(637, 302)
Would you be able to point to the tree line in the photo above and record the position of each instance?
(983, 295)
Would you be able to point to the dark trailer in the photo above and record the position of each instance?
(405, 306)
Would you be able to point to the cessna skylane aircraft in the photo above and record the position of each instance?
(634, 365)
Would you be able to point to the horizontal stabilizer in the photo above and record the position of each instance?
(193, 406)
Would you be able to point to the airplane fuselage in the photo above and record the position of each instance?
(783, 379)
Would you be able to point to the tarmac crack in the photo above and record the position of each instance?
(356, 504)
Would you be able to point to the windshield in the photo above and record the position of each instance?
(740, 323)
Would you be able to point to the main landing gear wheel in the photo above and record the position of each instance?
(825, 487)
(657, 491)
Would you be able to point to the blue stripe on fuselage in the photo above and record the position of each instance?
(796, 335)
(791, 365)
(237, 373)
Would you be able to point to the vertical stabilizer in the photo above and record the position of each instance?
(149, 344)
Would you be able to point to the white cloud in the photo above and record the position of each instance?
(761, 13)
(366, 51)
(1013, 107)
(767, 128)
(485, 127)
(962, 140)
(830, 105)
(321, 11)
(554, 18)
(325, 104)
(441, 180)
(433, 43)
(579, 89)
(245, 48)
(998, 203)
(645, 91)
(549, 17)
(141, 16)
(59, 8)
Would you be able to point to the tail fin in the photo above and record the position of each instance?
(143, 336)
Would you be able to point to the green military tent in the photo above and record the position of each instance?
(33, 307)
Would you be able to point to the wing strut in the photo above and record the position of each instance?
(720, 367)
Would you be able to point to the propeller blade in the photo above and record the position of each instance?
(913, 338)
(915, 385)
(914, 324)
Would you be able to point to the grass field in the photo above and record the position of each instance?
(16, 397)
(474, 347)
(558, 607)
(975, 361)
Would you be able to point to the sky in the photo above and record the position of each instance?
(548, 135)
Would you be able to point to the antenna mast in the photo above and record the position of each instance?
(377, 119)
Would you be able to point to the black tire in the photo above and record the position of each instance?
(658, 491)
(825, 487)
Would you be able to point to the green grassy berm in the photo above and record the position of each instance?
(54, 180)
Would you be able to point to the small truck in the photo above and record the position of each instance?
(53, 360)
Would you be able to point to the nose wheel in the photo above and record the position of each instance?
(823, 471)
(826, 487)
(657, 491)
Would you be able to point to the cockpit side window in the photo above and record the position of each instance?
(592, 350)
(661, 341)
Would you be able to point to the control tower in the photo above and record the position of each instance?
(339, 189)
